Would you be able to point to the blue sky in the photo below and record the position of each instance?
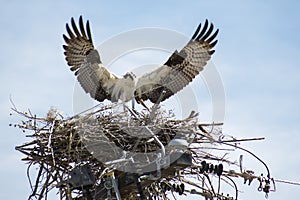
(257, 57)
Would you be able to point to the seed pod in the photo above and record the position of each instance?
(220, 170)
(211, 168)
(180, 192)
(202, 167)
(182, 187)
(174, 187)
(206, 167)
(178, 189)
(216, 169)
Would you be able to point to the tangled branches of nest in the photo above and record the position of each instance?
(151, 155)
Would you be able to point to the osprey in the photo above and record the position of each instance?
(158, 85)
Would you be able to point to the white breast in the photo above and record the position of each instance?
(123, 89)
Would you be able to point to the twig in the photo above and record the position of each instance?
(235, 187)
(58, 145)
(268, 171)
(287, 182)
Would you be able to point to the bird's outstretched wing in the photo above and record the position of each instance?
(85, 61)
(180, 69)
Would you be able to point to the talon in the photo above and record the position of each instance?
(143, 104)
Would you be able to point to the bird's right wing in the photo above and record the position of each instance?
(85, 61)
(181, 67)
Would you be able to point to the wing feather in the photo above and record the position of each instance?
(181, 67)
(85, 61)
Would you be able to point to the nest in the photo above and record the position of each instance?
(103, 154)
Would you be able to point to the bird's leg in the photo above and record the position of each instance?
(160, 97)
(133, 107)
(156, 105)
(125, 108)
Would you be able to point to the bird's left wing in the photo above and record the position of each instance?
(85, 61)
(180, 69)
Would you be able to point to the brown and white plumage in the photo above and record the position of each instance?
(157, 85)
(180, 69)
(94, 78)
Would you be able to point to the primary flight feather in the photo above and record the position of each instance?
(158, 85)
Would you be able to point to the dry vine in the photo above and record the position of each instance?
(61, 146)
